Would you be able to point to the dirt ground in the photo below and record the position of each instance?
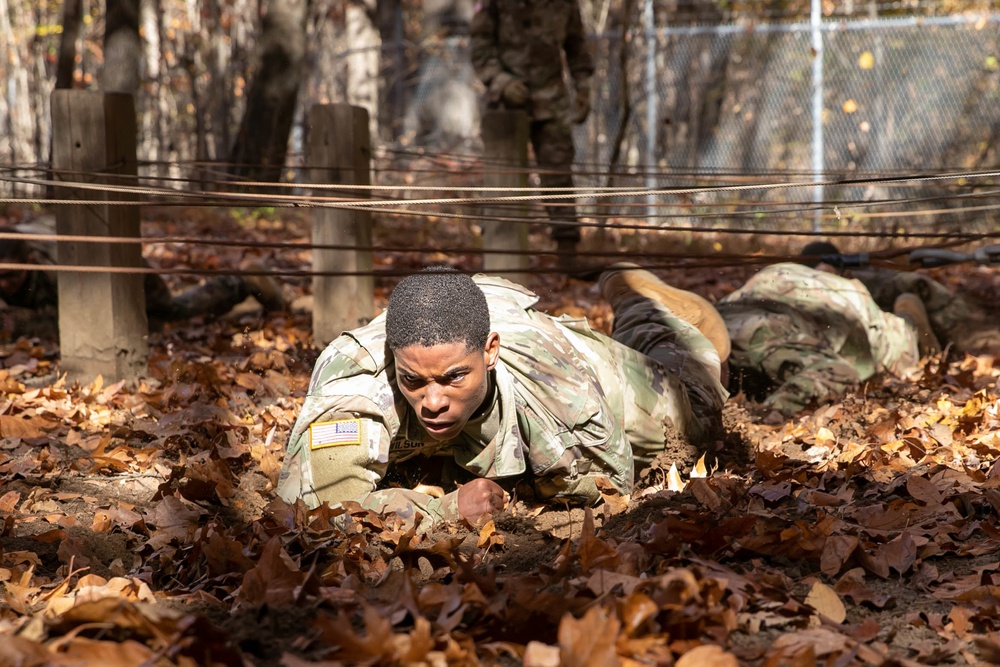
(140, 524)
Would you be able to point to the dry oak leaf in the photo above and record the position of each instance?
(276, 580)
(826, 602)
(589, 641)
(709, 655)
(592, 550)
(836, 551)
(537, 654)
(80, 651)
(818, 640)
(489, 536)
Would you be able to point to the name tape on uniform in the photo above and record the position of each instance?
(335, 434)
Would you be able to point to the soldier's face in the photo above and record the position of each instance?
(445, 384)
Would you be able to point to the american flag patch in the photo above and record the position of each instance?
(335, 433)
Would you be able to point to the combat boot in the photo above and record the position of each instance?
(624, 278)
(265, 289)
(909, 307)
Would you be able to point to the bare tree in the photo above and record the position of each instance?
(261, 144)
(71, 19)
(122, 47)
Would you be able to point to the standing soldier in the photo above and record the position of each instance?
(517, 51)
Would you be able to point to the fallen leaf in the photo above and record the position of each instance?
(537, 654)
(674, 481)
(826, 602)
(589, 641)
(708, 655)
(488, 536)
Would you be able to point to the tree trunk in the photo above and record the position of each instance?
(71, 18)
(17, 121)
(122, 47)
(392, 108)
(262, 142)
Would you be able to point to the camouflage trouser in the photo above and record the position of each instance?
(947, 311)
(17, 322)
(682, 387)
(214, 296)
(552, 141)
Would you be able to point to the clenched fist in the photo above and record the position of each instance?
(479, 498)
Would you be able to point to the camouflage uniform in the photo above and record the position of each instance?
(569, 405)
(807, 335)
(32, 309)
(525, 40)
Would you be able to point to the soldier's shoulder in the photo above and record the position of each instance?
(499, 289)
(355, 352)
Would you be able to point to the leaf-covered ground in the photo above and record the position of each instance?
(139, 524)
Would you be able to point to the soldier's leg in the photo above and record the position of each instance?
(947, 311)
(660, 343)
(552, 141)
(625, 278)
(160, 306)
(221, 294)
(216, 296)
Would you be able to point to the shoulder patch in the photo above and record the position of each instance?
(335, 433)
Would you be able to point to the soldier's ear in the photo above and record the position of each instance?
(492, 350)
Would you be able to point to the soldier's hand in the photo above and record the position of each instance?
(479, 498)
(516, 93)
(581, 105)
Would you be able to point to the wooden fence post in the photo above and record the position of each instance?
(102, 316)
(339, 151)
(505, 160)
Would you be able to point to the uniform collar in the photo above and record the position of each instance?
(504, 455)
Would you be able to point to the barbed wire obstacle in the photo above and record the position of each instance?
(979, 193)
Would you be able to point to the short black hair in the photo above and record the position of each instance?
(438, 305)
(815, 250)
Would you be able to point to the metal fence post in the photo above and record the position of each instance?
(818, 163)
(652, 106)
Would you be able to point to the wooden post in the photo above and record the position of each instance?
(505, 156)
(102, 316)
(339, 151)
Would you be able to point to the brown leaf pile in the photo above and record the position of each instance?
(139, 527)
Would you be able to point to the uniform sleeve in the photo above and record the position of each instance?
(407, 503)
(577, 47)
(485, 52)
(569, 469)
(805, 376)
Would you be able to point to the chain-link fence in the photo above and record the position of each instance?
(724, 103)
(894, 96)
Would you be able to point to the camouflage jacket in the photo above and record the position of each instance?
(526, 40)
(556, 423)
(812, 334)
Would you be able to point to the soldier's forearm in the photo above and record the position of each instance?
(406, 503)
